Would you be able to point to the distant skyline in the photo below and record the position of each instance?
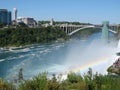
(86, 11)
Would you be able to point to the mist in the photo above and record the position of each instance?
(95, 54)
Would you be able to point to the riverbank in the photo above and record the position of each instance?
(20, 36)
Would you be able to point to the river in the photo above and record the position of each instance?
(76, 55)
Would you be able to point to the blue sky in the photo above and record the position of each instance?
(92, 11)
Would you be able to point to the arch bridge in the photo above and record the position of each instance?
(70, 29)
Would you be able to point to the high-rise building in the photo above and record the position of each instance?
(15, 14)
(5, 16)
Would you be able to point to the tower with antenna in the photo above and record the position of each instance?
(15, 15)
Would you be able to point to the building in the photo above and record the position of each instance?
(48, 23)
(15, 15)
(52, 22)
(5, 16)
(30, 22)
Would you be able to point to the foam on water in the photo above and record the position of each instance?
(20, 50)
(32, 62)
(2, 60)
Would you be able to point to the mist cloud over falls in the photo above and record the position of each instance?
(96, 54)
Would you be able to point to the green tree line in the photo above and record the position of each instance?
(24, 35)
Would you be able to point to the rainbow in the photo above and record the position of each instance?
(76, 69)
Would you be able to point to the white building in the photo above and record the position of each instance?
(14, 22)
(52, 22)
(30, 22)
(15, 13)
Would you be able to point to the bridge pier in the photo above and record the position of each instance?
(105, 31)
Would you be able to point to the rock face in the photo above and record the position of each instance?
(115, 68)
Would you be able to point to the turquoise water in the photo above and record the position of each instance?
(55, 57)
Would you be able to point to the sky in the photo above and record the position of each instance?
(85, 11)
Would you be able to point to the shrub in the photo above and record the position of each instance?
(37, 83)
(6, 86)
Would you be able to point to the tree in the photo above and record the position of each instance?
(23, 35)
(22, 24)
(1, 25)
